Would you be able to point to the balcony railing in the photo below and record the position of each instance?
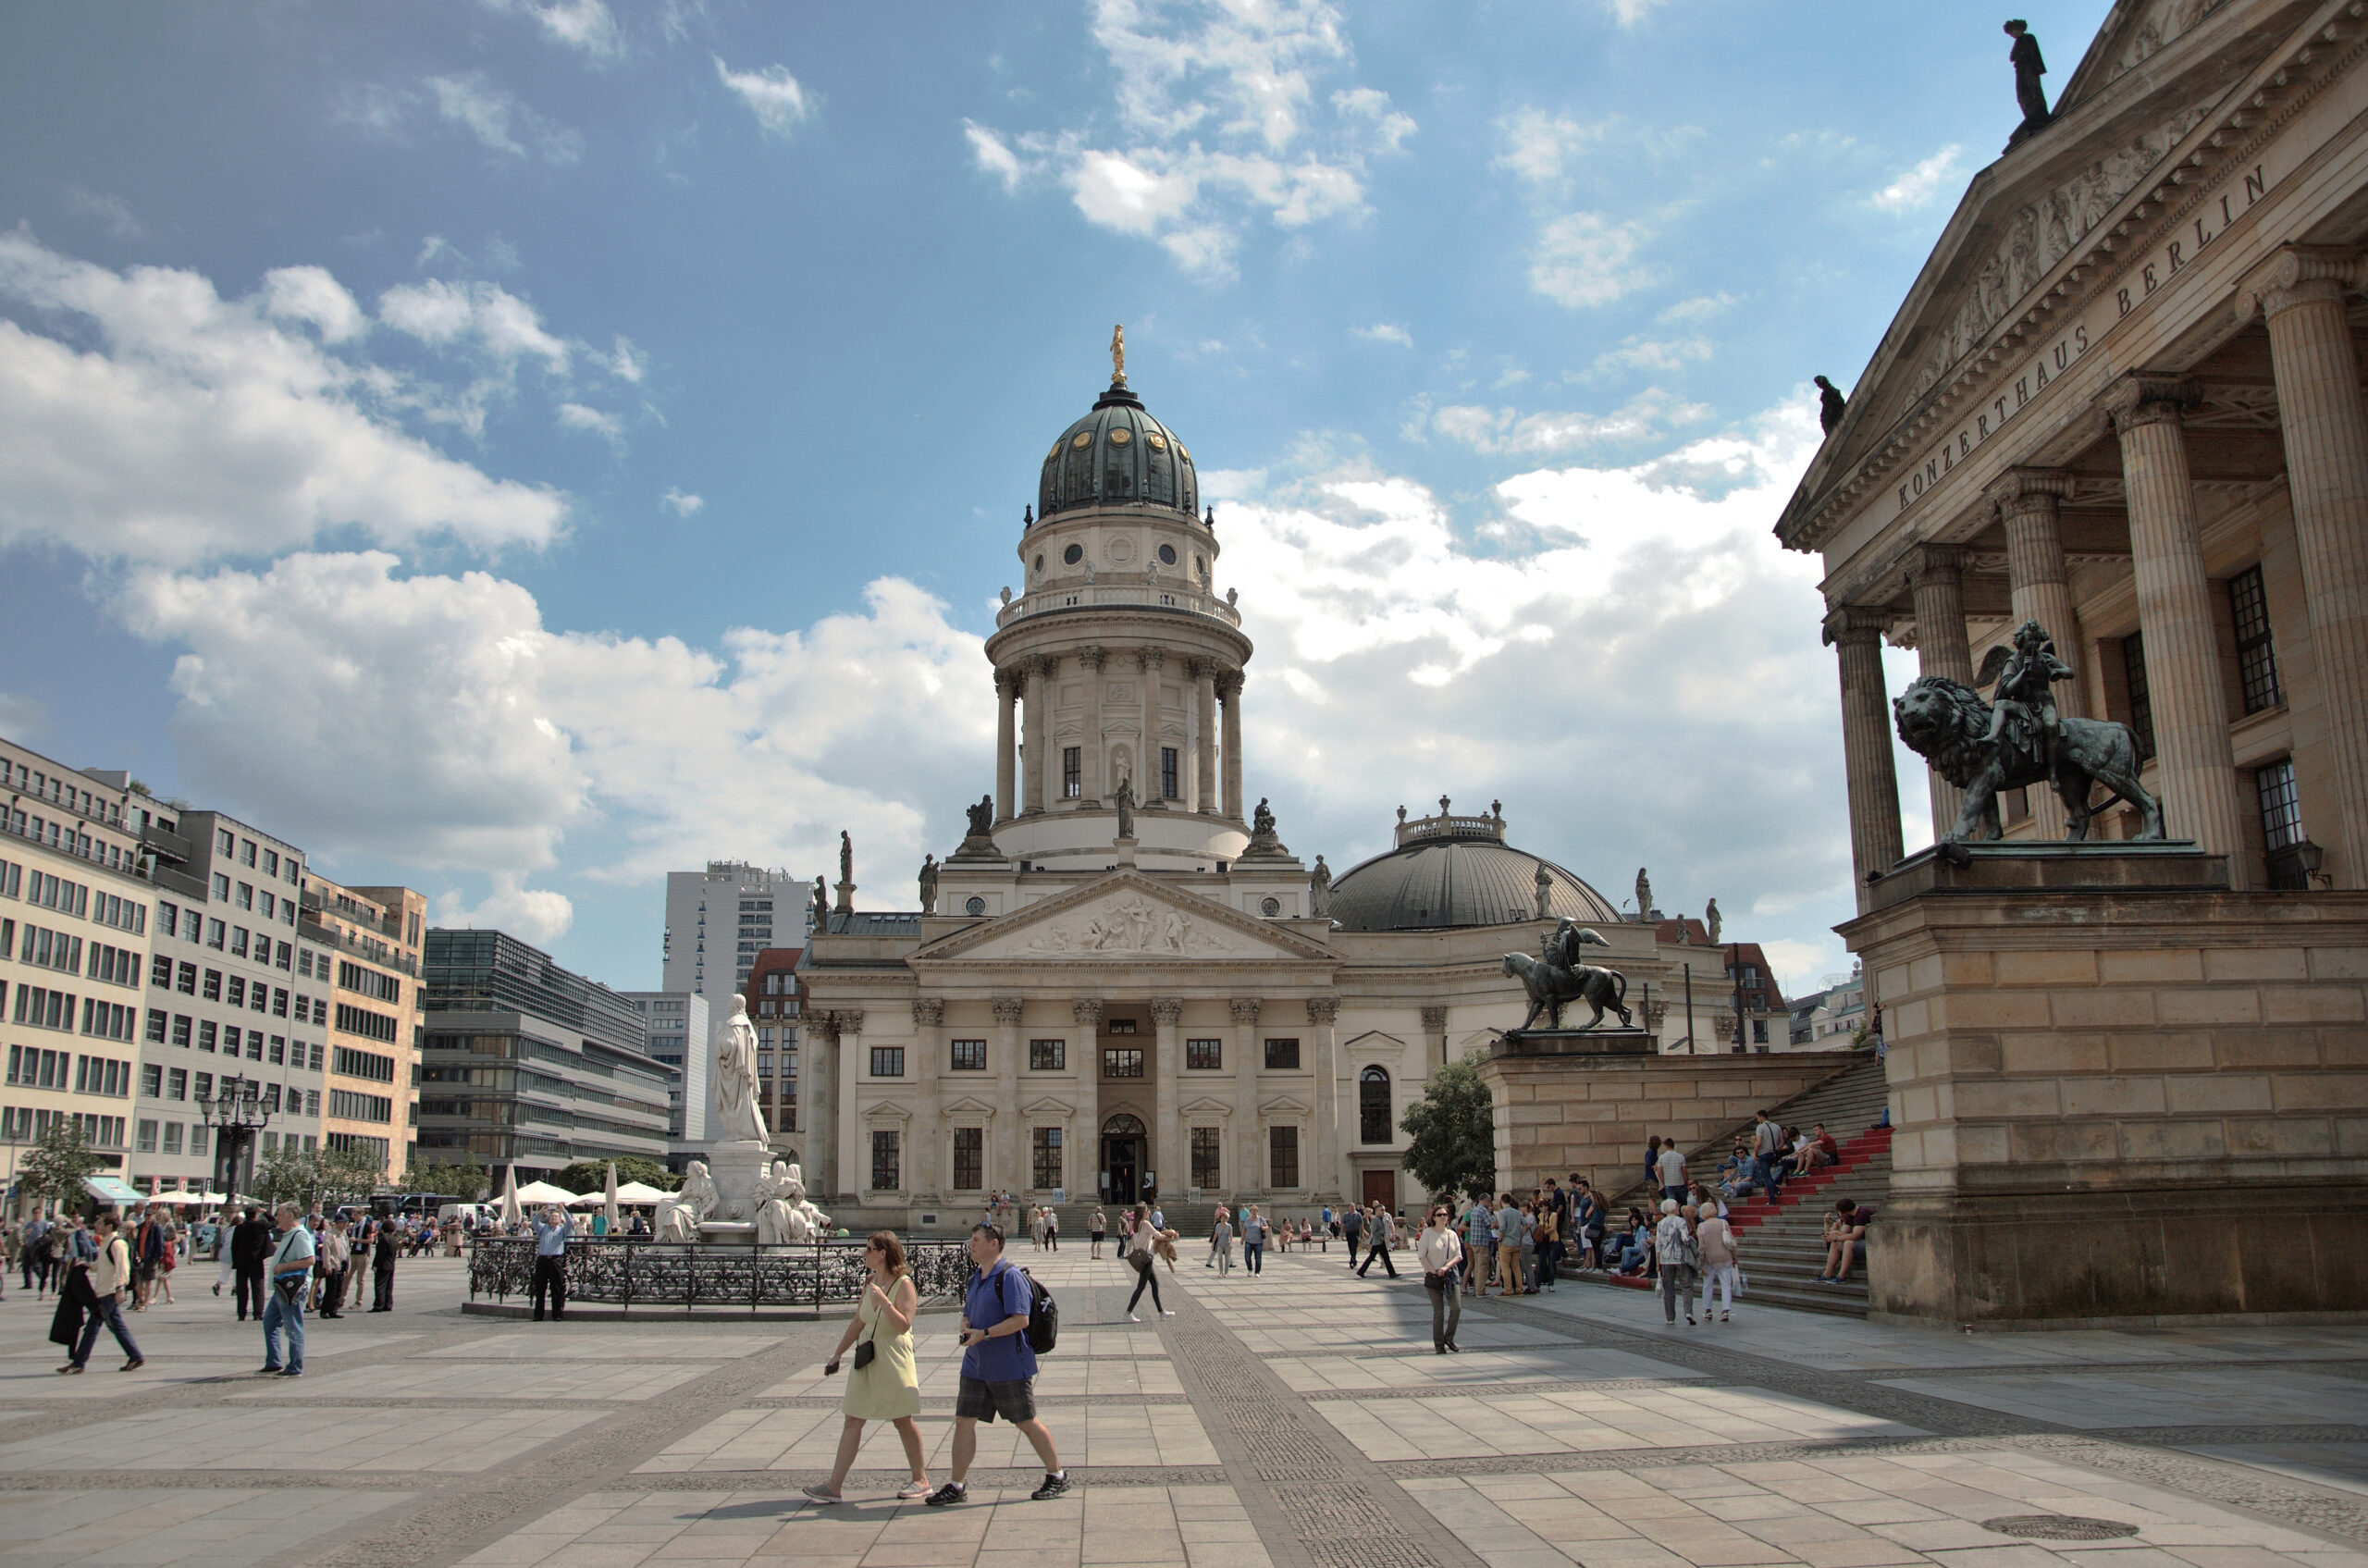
(368, 947)
(1085, 596)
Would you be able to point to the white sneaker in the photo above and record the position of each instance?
(1168, 1312)
(1132, 1319)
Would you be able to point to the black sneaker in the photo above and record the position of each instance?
(1054, 1486)
(952, 1493)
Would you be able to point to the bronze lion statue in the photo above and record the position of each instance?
(1946, 722)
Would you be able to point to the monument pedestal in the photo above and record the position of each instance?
(2119, 1091)
(735, 1164)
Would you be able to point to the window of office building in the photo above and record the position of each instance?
(1204, 1055)
(969, 1055)
(1206, 1167)
(1282, 1055)
(1072, 773)
(2256, 655)
(1045, 1164)
(1048, 1056)
(969, 1158)
(1122, 1061)
(1282, 1157)
(886, 1172)
(887, 1061)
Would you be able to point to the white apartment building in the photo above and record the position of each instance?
(676, 1032)
(719, 920)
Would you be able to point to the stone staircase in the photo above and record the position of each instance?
(1780, 1248)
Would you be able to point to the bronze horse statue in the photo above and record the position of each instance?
(1552, 985)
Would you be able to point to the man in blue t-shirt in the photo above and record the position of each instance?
(998, 1368)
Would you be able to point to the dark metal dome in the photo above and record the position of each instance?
(1118, 455)
(1456, 872)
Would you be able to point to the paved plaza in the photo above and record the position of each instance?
(1293, 1419)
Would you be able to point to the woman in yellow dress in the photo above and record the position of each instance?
(889, 1387)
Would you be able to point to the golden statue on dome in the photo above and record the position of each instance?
(1118, 356)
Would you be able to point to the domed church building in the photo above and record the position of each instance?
(1126, 980)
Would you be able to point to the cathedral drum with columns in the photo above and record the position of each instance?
(1125, 982)
(2123, 400)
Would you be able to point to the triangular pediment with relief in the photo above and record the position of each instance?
(1125, 918)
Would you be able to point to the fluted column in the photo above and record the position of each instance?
(1149, 661)
(817, 1100)
(1004, 1165)
(845, 1072)
(1434, 1034)
(1007, 685)
(2197, 767)
(1204, 736)
(2029, 501)
(1937, 576)
(1321, 1173)
(1230, 691)
(1168, 1152)
(1875, 842)
(1242, 1179)
(924, 1178)
(1048, 677)
(1091, 662)
(1085, 1061)
(1039, 694)
(2326, 428)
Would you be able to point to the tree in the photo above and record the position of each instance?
(592, 1175)
(306, 1176)
(1452, 1133)
(466, 1182)
(52, 1170)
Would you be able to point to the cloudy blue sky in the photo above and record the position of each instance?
(517, 447)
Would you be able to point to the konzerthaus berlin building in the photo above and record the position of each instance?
(1091, 1013)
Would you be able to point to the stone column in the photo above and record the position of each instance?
(1204, 736)
(1078, 1155)
(846, 1071)
(1937, 576)
(1048, 677)
(817, 1100)
(2195, 765)
(1150, 661)
(2320, 412)
(1168, 1136)
(2028, 501)
(924, 1178)
(1038, 695)
(1091, 662)
(1003, 1163)
(1321, 1173)
(1230, 690)
(1434, 1033)
(1856, 636)
(1007, 685)
(1244, 1178)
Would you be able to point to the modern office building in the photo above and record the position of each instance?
(776, 1005)
(74, 936)
(364, 943)
(719, 920)
(530, 1065)
(224, 999)
(676, 1034)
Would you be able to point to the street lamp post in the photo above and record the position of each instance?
(237, 1113)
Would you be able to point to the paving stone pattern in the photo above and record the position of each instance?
(1297, 1418)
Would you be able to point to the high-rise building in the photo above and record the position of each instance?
(531, 1065)
(719, 920)
(777, 1008)
(224, 998)
(677, 1033)
(74, 942)
(364, 942)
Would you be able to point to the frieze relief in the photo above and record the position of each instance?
(1130, 924)
(2043, 233)
(2165, 23)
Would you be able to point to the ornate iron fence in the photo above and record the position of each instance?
(633, 1273)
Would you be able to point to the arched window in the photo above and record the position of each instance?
(1373, 1107)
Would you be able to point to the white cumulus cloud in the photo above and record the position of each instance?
(494, 115)
(682, 503)
(1648, 415)
(1585, 259)
(772, 95)
(1384, 332)
(531, 914)
(1918, 185)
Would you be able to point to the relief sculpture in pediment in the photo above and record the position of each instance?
(2043, 232)
(1133, 924)
(2166, 22)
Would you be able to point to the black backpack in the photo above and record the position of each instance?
(1043, 1317)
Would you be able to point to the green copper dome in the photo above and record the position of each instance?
(1118, 455)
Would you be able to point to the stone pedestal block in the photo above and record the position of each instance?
(735, 1164)
(2119, 1089)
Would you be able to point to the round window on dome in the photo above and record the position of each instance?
(1167, 555)
(1158, 442)
(1183, 454)
(1121, 436)
(1074, 554)
(1082, 439)
(1055, 452)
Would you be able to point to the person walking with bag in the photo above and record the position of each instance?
(1380, 1229)
(292, 1275)
(337, 1262)
(106, 1279)
(1140, 1255)
(884, 1385)
(1674, 1242)
(998, 1370)
(1221, 1243)
(1721, 1258)
(1440, 1251)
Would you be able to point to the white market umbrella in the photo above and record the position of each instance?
(177, 1199)
(587, 1200)
(511, 1214)
(639, 1192)
(540, 1192)
(610, 1206)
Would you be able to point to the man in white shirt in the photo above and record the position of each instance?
(1672, 1171)
(287, 1277)
(110, 1277)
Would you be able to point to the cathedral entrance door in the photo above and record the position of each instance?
(1381, 1186)
(1122, 1158)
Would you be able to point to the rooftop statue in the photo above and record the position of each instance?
(1644, 895)
(2021, 742)
(1118, 356)
(982, 815)
(1710, 921)
(1830, 403)
(929, 885)
(2029, 68)
(1319, 890)
(821, 905)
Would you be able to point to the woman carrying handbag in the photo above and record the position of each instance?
(1440, 1251)
(884, 1385)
